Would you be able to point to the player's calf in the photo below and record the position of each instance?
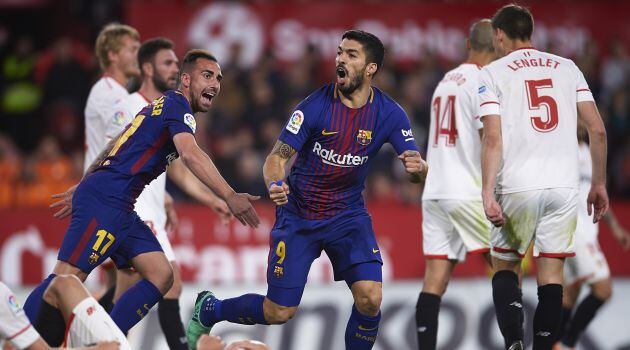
(50, 319)
(277, 314)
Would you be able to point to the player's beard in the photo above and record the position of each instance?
(162, 84)
(353, 84)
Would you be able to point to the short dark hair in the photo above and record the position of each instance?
(150, 48)
(191, 57)
(374, 49)
(480, 36)
(516, 21)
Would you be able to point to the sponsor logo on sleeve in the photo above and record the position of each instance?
(119, 118)
(407, 134)
(482, 89)
(190, 121)
(295, 123)
(13, 305)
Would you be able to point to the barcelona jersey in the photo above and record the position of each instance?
(335, 144)
(143, 150)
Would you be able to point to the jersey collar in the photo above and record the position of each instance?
(523, 48)
(371, 99)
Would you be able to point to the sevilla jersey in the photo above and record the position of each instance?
(150, 203)
(143, 150)
(535, 94)
(454, 147)
(335, 144)
(103, 95)
(14, 325)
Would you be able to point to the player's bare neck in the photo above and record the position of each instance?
(185, 92)
(519, 44)
(356, 99)
(117, 75)
(481, 58)
(148, 91)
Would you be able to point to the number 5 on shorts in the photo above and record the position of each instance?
(281, 251)
(102, 234)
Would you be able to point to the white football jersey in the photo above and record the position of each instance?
(14, 325)
(150, 204)
(103, 95)
(535, 94)
(585, 225)
(454, 147)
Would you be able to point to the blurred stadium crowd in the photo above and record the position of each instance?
(45, 80)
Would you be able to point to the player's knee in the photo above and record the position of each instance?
(176, 289)
(59, 286)
(162, 278)
(368, 302)
(602, 292)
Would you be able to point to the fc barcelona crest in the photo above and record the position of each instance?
(364, 137)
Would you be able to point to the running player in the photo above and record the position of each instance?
(103, 221)
(529, 103)
(589, 265)
(67, 294)
(336, 131)
(453, 221)
(116, 49)
(159, 68)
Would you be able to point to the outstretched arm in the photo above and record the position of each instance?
(204, 169)
(183, 178)
(274, 173)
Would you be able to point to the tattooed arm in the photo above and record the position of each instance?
(273, 171)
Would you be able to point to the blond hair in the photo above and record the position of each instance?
(110, 39)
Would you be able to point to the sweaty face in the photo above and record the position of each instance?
(205, 84)
(165, 70)
(127, 56)
(350, 66)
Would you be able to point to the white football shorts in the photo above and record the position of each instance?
(548, 217)
(451, 228)
(589, 264)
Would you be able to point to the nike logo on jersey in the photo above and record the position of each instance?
(328, 133)
(374, 250)
(361, 328)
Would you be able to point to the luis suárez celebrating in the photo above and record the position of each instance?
(335, 131)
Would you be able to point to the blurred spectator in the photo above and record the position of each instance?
(10, 167)
(20, 97)
(46, 172)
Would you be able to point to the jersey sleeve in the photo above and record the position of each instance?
(488, 95)
(472, 104)
(177, 117)
(401, 136)
(584, 93)
(120, 117)
(300, 126)
(14, 325)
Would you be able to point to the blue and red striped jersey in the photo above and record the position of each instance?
(143, 150)
(335, 144)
